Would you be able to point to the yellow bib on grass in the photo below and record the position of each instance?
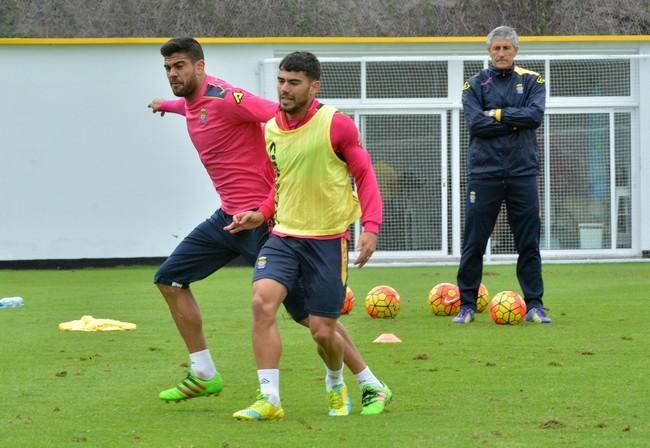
(89, 323)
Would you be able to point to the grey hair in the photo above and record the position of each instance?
(503, 32)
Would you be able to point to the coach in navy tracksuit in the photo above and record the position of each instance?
(503, 106)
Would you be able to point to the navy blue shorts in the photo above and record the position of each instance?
(322, 265)
(208, 248)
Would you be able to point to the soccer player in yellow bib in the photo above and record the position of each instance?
(314, 149)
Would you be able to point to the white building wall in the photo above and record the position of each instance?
(86, 170)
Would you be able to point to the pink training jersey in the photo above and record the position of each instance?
(346, 142)
(225, 125)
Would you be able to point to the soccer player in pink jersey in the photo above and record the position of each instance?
(314, 149)
(224, 123)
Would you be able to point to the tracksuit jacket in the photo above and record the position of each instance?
(505, 145)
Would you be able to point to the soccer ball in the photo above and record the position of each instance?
(507, 307)
(482, 299)
(348, 302)
(383, 302)
(444, 299)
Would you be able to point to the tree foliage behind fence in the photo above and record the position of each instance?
(259, 18)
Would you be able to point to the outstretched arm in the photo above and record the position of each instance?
(176, 106)
(154, 105)
(244, 107)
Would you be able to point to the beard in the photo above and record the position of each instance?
(185, 89)
(292, 106)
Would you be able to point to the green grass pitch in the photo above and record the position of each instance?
(582, 381)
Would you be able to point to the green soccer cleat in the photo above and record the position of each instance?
(193, 387)
(262, 409)
(339, 401)
(375, 399)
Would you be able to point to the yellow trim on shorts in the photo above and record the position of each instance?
(344, 261)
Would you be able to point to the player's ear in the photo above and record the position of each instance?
(315, 87)
(200, 66)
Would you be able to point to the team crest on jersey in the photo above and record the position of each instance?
(203, 117)
(261, 263)
(238, 96)
(472, 197)
(520, 89)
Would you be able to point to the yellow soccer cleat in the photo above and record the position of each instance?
(262, 409)
(339, 401)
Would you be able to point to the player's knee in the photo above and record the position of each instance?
(264, 309)
(322, 334)
(169, 291)
(267, 296)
